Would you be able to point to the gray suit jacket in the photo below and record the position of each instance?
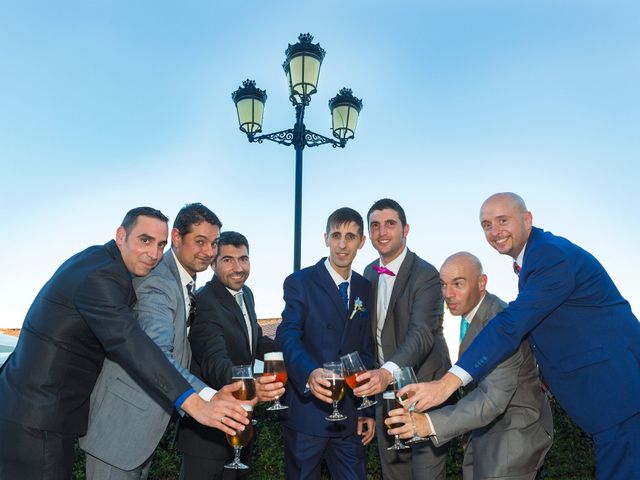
(126, 422)
(412, 335)
(507, 414)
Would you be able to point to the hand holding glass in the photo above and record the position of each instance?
(334, 374)
(239, 440)
(405, 376)
(391, 402)
(353, 367)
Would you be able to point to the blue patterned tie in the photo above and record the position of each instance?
(344, 287)
(464, 326)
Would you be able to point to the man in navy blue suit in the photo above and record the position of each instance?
(322, 321)
(583, 334)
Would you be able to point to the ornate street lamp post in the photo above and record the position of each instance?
(302, 67)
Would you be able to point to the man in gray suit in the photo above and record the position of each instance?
(406, 323)
(507, 413)
(126, 422)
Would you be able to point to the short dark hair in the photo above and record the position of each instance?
(385, 203)
(131, 218)
(232, 238)
(343, 216)
(194, 214)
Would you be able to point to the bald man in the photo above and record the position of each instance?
(507, 416)
(583, 334)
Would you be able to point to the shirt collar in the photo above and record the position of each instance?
(394, 265)
(337, 278)
(472, 313)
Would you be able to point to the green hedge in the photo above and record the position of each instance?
(570, 457)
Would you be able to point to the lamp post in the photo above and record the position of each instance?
(302, 67)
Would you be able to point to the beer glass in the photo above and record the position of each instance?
(405, 376)
(391, 402)
(353, 366)
(244, 373)
(274, 365)
(334, 373)
(239, 440)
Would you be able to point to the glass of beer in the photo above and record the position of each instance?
(334, 373)
(239, 440)
(274, 365)
(353, 367)
(244, 373)
(391, 402)
(405, 376)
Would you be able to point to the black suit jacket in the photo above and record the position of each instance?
(81, 314)
(219, 340)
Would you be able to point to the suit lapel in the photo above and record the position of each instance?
(229, 303)
(251, 310)
(180, 340)
(478, 323)
(323, 280)
(373, 277)
(398, 287)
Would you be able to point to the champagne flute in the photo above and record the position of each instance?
(391, 402)
(239, 440)
(353, 367)
(334, 373)
(274, 365)
(405, 376)
(244, 373)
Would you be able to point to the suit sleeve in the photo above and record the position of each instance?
(425, 317)
(156, 310)
(548, 284)
(482, 405)
(298, 362)
(209, 342)
(102, 300)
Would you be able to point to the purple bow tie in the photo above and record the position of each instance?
(383, 270)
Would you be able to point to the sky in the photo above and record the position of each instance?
(109, 105)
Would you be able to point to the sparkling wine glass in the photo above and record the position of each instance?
(353, 367)
(405, 376)
(391, 402)
(334, 373)
(239, 440)
(274, 365)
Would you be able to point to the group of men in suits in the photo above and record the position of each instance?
(568, 322)
(83, 315)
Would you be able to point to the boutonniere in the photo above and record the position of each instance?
(358, 306)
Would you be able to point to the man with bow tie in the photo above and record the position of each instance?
(581, 330)
(406, 325)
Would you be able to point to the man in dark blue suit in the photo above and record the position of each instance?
(321, 321)
(583, 334)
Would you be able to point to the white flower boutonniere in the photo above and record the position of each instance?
(358, 306)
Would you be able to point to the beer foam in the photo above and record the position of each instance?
(273, 356)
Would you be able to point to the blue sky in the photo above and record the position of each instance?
(109, 105)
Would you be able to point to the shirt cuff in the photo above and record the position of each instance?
(461, 374)
(433, 430)
(207, 393)
(390, 367)
(178, 403)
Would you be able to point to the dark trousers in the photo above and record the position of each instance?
(304, 453)
(195, 467)
(29, 453)
(617, 450)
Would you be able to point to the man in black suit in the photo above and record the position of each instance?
(83, 313)
(225, 332)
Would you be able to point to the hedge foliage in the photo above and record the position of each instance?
(571, 457)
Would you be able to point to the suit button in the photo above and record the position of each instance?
(329, 327)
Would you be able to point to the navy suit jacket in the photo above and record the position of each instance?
(582, 332)
(316, 329)
(83, 313)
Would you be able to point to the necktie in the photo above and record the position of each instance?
(516, 268)
(239, 300)
(344, 286)
(464, 326)
(383, 271)
(191, 288)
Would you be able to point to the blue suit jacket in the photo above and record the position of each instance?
(316, 329)
(584, 336)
